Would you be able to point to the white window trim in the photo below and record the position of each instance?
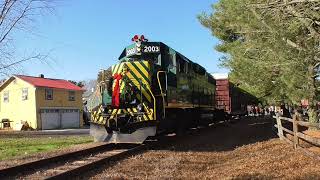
(46, 94)
(72, 97)
(25, 94)
(6, 96)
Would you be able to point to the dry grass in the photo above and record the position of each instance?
(244, 150)
(262, 160)
(313, 133)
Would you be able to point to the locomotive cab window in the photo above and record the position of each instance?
(172, 64)
(153, 58)
(172, 70)
(157, 59)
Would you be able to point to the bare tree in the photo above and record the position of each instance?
(18, 15)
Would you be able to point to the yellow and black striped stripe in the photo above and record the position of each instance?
(138, 74)
(97, 116)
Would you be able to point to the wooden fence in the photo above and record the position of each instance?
(296, 134)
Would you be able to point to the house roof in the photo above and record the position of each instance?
(50, 83)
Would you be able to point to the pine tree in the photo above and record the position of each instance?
(272, 48)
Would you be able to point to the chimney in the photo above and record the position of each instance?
(41, 76)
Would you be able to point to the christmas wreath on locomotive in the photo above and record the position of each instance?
(153, 89)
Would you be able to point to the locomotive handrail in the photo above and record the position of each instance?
(154, 103)
(163, 101)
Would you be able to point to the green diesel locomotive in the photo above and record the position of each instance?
(153, 89)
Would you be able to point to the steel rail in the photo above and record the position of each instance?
(30, 167)
(53, 163)
(73, 173)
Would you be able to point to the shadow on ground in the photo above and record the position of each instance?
(223, 136)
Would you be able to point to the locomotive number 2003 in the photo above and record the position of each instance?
(152, 49)
(131, 51)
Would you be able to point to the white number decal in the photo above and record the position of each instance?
(131, 51)
(151, 49)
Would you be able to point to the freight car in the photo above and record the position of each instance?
(153, 89)
(231, 101)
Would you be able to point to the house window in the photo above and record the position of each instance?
(24, 94)
(6, 96)
(72, 95)
(49, 94)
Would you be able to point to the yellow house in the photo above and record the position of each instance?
(41, 102)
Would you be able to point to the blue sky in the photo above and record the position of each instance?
(84, 37)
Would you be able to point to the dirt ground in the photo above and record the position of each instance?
(246, 149)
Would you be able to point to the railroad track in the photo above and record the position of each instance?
(71, 165)
(74, 164)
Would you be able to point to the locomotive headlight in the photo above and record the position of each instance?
(140, 107)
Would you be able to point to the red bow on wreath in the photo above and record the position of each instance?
(116, 91)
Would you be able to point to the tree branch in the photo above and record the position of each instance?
(276, 4)
(288, 41)
(6, 10)
(38, 56)
(18, 15)
(307, 24)
(22, 15)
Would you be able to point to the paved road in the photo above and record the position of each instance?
(84, 131)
